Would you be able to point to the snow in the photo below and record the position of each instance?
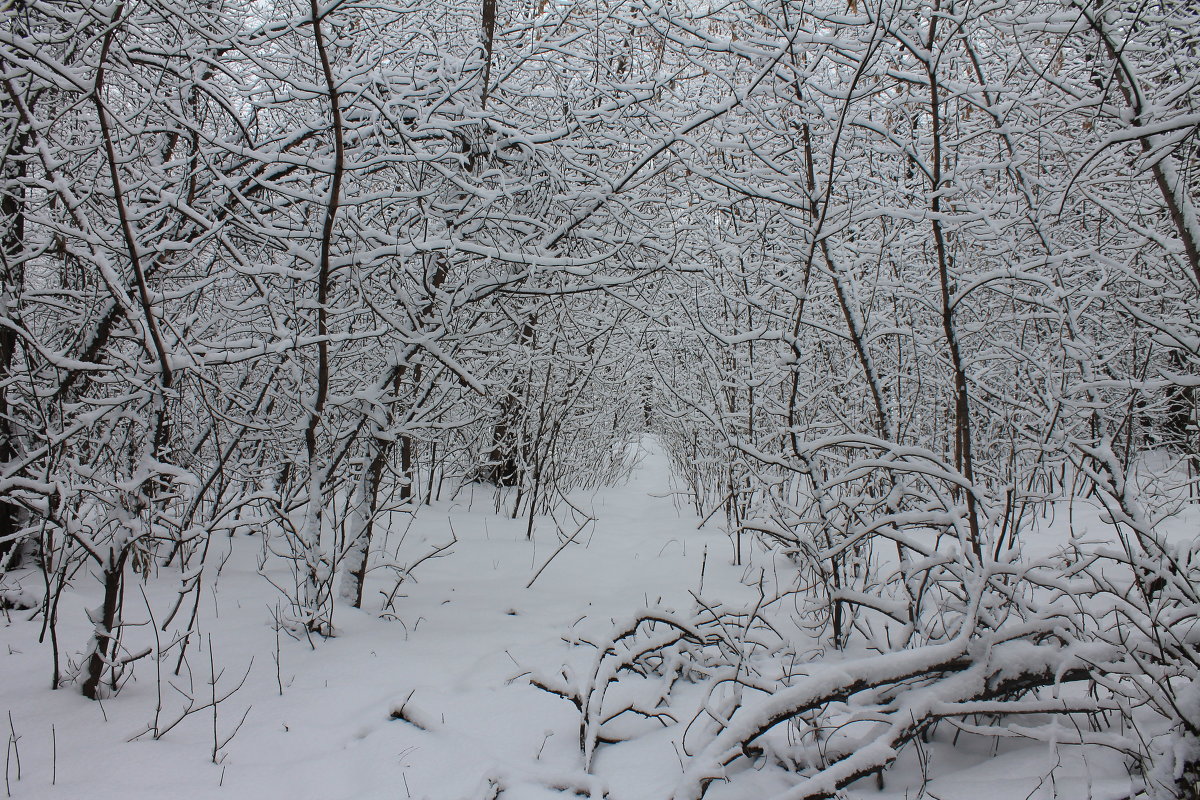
(467, 633)
(437, 702)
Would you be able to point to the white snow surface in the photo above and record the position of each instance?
(456, 658)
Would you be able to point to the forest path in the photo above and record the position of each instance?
(457, 657)
(481, 630)
(474, 631)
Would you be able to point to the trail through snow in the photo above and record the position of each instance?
(466, 634)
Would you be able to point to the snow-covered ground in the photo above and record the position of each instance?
(436, 703)
(467, 631)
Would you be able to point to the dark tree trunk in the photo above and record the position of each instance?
(106, 634)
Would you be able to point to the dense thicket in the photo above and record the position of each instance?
(888, 280)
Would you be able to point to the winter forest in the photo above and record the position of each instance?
(630, 399)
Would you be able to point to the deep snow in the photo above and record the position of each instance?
(453, 664)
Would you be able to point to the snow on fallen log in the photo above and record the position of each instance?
(950, 676)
